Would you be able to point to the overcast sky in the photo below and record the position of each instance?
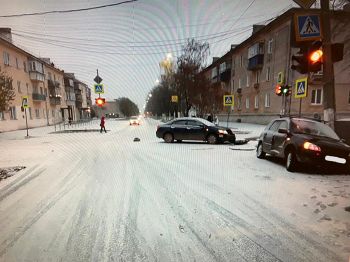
(127, 42)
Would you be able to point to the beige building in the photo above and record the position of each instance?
(267, 53)
(43, 84)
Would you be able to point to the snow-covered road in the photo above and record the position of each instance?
(102, 197)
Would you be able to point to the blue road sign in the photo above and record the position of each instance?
(98, 88)
(308, 27)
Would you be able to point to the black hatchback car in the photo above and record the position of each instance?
(188, 128)
(301, 140)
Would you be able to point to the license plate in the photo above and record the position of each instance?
(336, 159)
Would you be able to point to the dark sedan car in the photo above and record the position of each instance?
(300, 140)
(194, 129)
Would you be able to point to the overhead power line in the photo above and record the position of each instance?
(69, 10)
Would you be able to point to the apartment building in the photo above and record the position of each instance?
(267, 54)
(82, 97)
(40, 81)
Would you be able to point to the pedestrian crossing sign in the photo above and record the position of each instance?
(307, 27)
(98, 88)
(25, 102)
(228, 100)
(301, 88)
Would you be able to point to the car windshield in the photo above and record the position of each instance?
(302, 126)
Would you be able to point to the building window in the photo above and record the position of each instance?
(2, 115)
(25, 66)
(239, 103)
(349, 98)
(239, 83)
(13, 115)
(256, 102)
(54, 77)
(267, 100)
(41, 90)
(37, 113)
(257, 79)
(44, 115)
(45, 92)
(214, 73)
(268, 74)
(269, 46)
(27, 86)
(6, 58)
(316, 96)
(49, 76)
(35, 90)
(53, 113)
(241, 61)
(247, 80)
(30, 113)
(247, 103)
(19, 86)
(17, 66)
(232, 85)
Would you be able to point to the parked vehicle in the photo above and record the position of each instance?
(301, 140)
(134, 120)
(188, 128)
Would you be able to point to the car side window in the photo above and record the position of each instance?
(283, 125)
(193, 123)
(274, 127)
(179, 122)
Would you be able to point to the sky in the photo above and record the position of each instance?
(127, 42)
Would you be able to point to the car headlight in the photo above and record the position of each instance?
(223, 132)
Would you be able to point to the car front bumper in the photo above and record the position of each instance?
(226, 138)
(320, 159)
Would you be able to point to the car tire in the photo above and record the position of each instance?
(291, 160)
(260, 152)
(168, 138)
(212, 139)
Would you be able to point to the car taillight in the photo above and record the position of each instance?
(312, 147)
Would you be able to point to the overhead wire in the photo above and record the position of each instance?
(68, 11)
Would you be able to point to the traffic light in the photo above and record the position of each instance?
(100, 101)
(278, 90)
(301, 59)
(286, 90)
(315, 56)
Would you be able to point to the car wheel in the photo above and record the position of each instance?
(291, 161)
(212, 139)
(260, 152)
(168, 138)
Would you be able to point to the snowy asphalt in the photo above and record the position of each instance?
(102, 197)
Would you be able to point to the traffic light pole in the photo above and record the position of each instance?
(328, 70)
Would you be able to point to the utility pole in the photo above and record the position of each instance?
(328, 70)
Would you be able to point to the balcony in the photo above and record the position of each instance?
(55, 100)
(226, 75)
(78, 97)
(53, 84)
(256, 62)
(38, 97)
(36, 76)
(78, 104)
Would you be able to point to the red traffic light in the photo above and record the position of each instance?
(316, 56)
(100, 101)
(278, 90)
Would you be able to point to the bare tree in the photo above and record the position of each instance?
(189, 83)
(7, 92)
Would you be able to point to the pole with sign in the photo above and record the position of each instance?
(25, 105)
(228, 101)
(300, 90)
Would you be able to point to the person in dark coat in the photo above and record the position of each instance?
(102, 125)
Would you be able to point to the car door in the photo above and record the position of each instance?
(194, 130)
(279, 139)
(268, 136)
(178, 128)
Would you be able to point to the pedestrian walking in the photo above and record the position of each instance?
(216, 121)
(102, 125)
(210, 118)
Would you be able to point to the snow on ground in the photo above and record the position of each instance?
(102, 197)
